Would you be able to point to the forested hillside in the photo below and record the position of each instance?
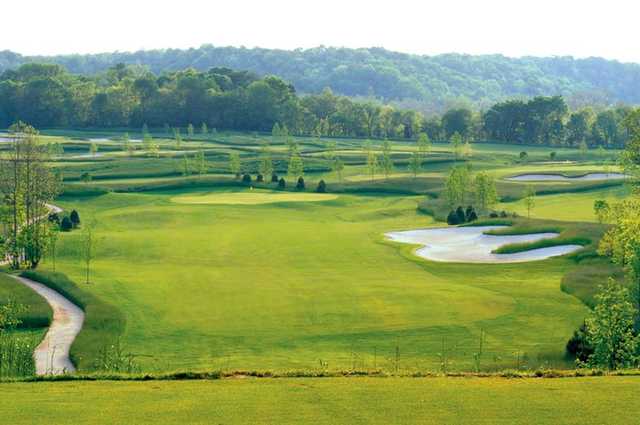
(428, 83)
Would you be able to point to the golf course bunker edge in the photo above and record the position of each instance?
(562, 178)
(472, 245)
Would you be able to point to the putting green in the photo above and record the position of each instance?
(251, 198)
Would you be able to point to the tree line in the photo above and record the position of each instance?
(430, 82)
(48, 96)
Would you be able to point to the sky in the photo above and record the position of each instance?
(513, 28)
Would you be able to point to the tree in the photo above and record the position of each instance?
(204, 130)
(93, 149)
(265, 166)
(246, 178)
(281, 183)
(300, 184)
(201, 163)
(186, 165)
(26, 185)
(485, 193)
(456, 144)
(296, 167)
(126, 144)
(234, 164)
(53, 244)
(339, 168)
(75, 218)
(424, 145)
(457, 184)
(415, 164)
(610, 329)
(177, 137)
(274, 178)
(524, 156)
(387, 161)
(322, 187)
(529, 199)
(87, 247)
(190, 131)
(66, 225)
(85, 177)
(372, 161)
(584, 148)
(601, 210)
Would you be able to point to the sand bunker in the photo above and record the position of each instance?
(52, 355)
(560, 177)
(471, 245)
(252, 198)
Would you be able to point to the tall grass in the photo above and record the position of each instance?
(16, 355)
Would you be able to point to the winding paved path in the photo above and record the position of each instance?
(52, 355)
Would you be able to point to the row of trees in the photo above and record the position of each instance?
(49, 96)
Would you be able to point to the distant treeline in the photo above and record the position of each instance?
(48, 96)
(430, 83)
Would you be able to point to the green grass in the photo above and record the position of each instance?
(292, 285)
(254, 197)
(38, 314)
(583, 401)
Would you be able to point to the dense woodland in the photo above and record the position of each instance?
(48, 96)
(427, 83)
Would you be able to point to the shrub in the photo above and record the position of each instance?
(493, 214)
(300, 184)
(553, 155)
(472, 216)
(523, 156)
(469, 212)
(66, 225)
(461, 215)
(54, 218)
(281, 183)
(259, 178)
(322, 187)
(452, 218)
(503, 214)
(578, 346)
(75, 218)
(246, 178)
(274, 178)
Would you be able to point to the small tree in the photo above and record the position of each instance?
(485, 193)
(387, 161)
(177, 136)
(274, 178)
(456, 144)
(296, 167)
(610, 329)
(322, 187)
(259, 178)
(529, 199)
(186, 165)
(190, 131)
(201, 163)
(524, 156)
(53, 244)
(85, 177)
(75, 218)
(584, 148)
(234, 164)
(424, 145)
(87, 248)
(93, 148)
(339, 168)
(300, 184)
(282, 183)
(415, 164)
(265, 166)
(553, 155)
(601, 210)
(372, 164)
(246, 178)
(204, 130)
(66, 225)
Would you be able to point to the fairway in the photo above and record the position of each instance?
(489, 401)
(309, 285)
(253, 197)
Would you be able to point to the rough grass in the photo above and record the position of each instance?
(327, 401)
(255, 197)
(103, 323)
(38, 314)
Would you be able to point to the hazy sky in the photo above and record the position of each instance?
(514, 28)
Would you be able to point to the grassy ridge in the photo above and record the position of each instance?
(38, 314)
(103, 323)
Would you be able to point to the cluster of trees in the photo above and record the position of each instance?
(610, 337)
(49, 96)
(429, 82)
(463, 188)
(27, 184)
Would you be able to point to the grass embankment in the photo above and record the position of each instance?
(38, 313)
(103, 323)
(327, 401)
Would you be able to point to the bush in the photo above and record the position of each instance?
(75, 218)
(322, 187)
(468, 212)
(472, 216)
(553, 155)
(259, 178)
(246, 178)
(503, 214)
(281, 183)
(493, 214)
(66, 225)
(274, 178)
(300, 184)
(54, 218)
(578, 347)
(452, 218)
(523, 155)
(461, 215)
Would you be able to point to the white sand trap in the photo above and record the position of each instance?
(52, 355)
(561, 178)
(106, 139)
(471, 245)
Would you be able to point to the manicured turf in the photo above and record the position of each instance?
(253, 197)
(580, 401)
(300, 285)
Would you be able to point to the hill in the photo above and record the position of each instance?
(426, 82)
